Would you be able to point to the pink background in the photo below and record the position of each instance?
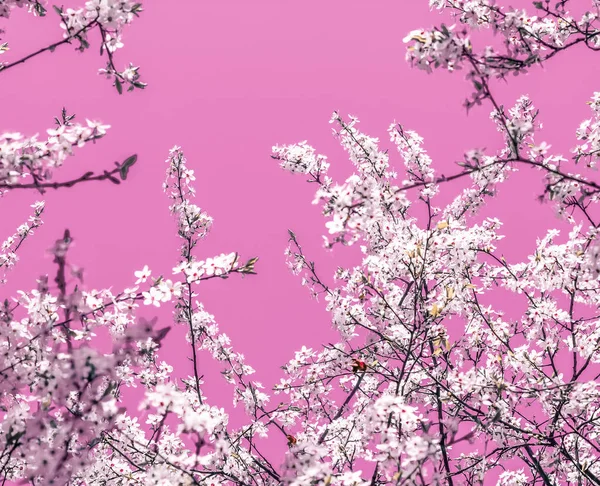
(227, 80)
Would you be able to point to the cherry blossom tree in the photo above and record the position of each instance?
(429, 382)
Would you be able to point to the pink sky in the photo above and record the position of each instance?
(226, 81)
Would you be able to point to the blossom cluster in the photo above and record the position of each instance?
(109, 17)
(589, 134)
(34, 6)
(437, 48)
(65, 422)
(427, 374)
(22, 157)
(8, 255)
(526, 39)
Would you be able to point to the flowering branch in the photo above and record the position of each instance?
(108, 17)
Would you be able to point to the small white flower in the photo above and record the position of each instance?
(142, 275)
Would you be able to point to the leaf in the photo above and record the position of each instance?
(125, 166)
(40, 10)
(95, 441)
(112, 179)
(58, 10)
(249, 266)
(161, 334)
(129, 161)
(118, 85)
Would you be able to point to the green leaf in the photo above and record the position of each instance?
(118, 85)
(58, 10)
(129, 161)
(126, 165)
